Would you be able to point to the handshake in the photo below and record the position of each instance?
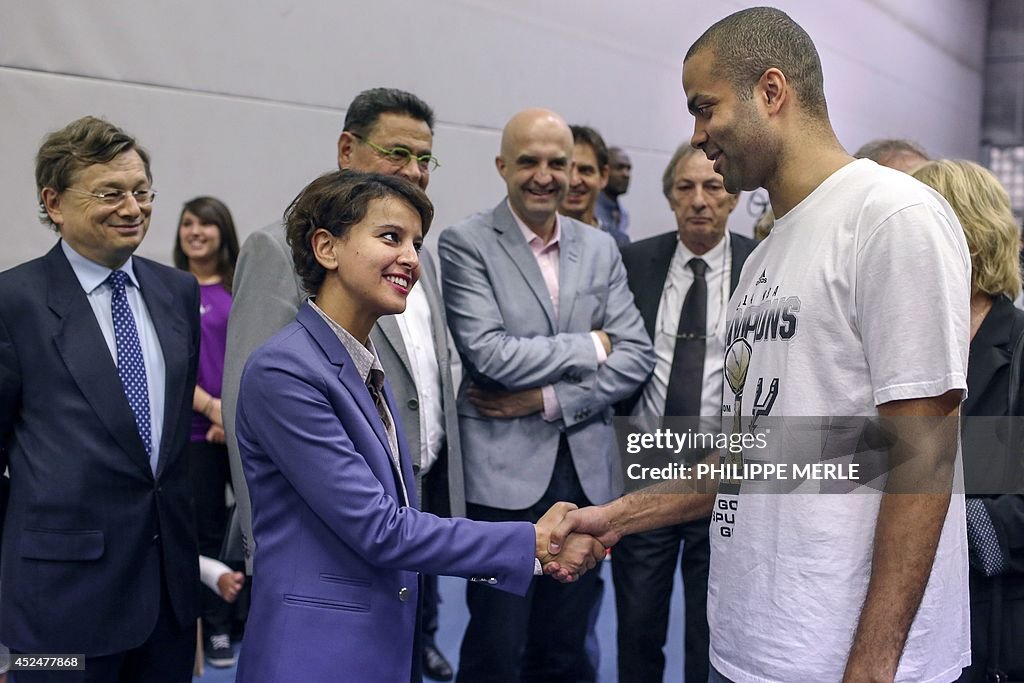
(571, 541)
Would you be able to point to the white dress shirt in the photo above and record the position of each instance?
(93, 278)
(677, 284)
(418, 335)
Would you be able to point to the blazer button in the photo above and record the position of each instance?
(156, 537)
(413, 404)
(403, 594)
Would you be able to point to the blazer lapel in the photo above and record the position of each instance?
(652, 279)
(392, 335)
(80, 342)
(569, 271)
(171, 330)
(439, 330)
(512, 241)
(347, 374)
(405, 458)
(740, 251)
(989, 353)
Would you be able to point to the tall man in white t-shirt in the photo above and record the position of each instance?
(856, 305)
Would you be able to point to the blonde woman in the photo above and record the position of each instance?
(993, 389)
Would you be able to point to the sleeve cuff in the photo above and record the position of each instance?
(599, 348)
(552, 410)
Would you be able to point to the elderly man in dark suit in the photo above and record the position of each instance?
(97, 366)
(682, 281)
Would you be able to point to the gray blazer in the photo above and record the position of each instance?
(505, 329)
(267, 295)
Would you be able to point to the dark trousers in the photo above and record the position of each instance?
(643, 569)
(167, 656)
(431, 602)
(538, 637)
(208, 467)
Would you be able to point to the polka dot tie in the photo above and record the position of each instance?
(130, 365)
(982, 539)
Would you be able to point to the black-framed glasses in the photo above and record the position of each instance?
(399, 156)
(116, 197)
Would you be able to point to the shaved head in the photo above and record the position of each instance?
(532, 123)
(535, 160)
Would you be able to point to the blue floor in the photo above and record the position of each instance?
(454, 617)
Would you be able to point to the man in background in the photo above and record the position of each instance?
(98, 354)
(609, 210)
(903, 155)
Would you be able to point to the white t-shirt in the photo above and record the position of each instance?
(859, 296)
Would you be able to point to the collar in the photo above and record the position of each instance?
(529, 235)
(365, 357)
(715, 258)
(91, 274)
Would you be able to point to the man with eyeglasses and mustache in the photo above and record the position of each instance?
(550, 340)
(386, 131)
(98, 356)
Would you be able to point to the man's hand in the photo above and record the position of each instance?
(545, 524)
(229, 584)
(594, 521)
(506, 404)
(606, 341)
(580, 553)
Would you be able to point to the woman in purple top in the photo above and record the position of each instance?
(207, 247)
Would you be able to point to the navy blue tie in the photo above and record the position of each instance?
(130, 365)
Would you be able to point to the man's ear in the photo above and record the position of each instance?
(603, 183)
(323, 245)
(51, 202)
(773, 89)
(499, 164)
(346, 141)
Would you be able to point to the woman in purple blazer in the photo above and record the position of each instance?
(339, 543)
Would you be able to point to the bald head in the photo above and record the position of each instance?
(536, 154)
(530, 124)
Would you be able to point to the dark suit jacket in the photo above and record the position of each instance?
(988, 376)
(335, 587)
(89, 530)
(647, 263)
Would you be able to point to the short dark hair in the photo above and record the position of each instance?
(585, 135)
(877, 149)
(83, 142)
(747, 43)
(214, 212)
(368, 105)
(335, 202)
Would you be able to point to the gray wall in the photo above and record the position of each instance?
(244, 100)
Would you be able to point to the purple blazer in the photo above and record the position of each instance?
(335, 584)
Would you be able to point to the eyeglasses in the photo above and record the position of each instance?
(399, 156)
(116, 197)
